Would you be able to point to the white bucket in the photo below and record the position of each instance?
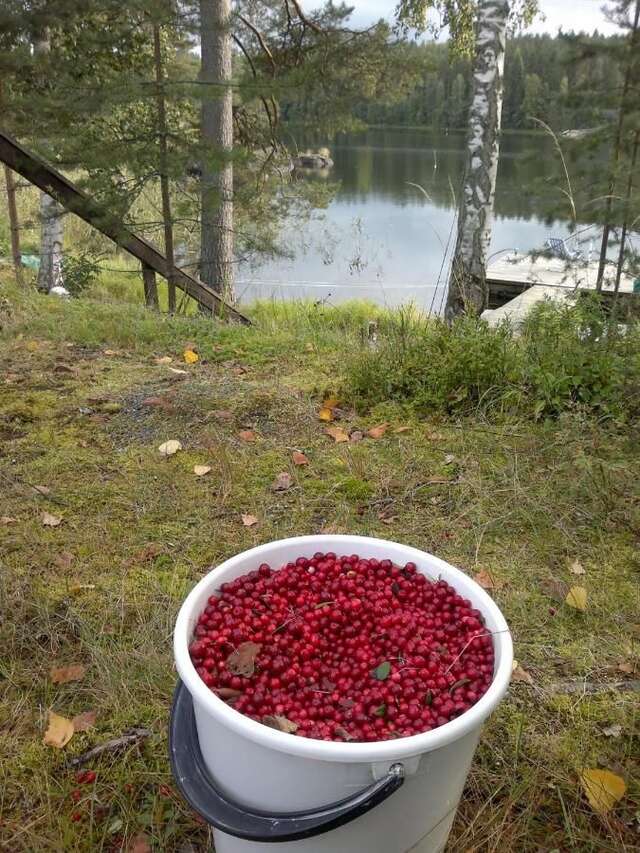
(273, 772)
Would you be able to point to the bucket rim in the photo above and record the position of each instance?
(359, 752)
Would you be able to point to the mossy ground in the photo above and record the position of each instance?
(520, 500)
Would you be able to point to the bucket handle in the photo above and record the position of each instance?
(197, 787)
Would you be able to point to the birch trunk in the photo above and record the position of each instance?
(216, 234)
(467, 280)
(14, 224)
(51, 213)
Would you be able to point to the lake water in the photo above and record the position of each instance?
(382, 239)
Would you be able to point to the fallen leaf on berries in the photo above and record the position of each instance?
(7, 519)
(282, 482)
(139, 844)
(487, 580)
(227, 694)
(377, 431)
(63, 560)
(247, 435)
(343, 733)
(577, 598)
(325, 414)
(171, 447)
(249, 520)
(242, 661)
(282, 724)
(163, 359)
(520, 674)
(576, 568)
(59, 731)
(337, 434)
(299, 458)
(64, 674)
(382, 671)
(190, 356)
(201, 470)
(84, 721)
(612, 731)
(603, 789)
(51, 520)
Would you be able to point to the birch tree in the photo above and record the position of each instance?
(467, 280)
(51, 213)
(216, 228)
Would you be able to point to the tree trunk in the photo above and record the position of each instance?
(164, 168)
(51, 213)
(467, 280)
(617, 148)
(14, 225)
(216, 235)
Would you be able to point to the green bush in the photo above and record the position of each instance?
(567, 356)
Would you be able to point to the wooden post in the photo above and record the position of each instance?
(13, 223)
(150, 288)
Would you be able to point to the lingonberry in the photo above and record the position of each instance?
(349, 648)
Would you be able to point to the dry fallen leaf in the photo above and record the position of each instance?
(330, 402)
(75, 588)
(626, 667)
(160, 403)
(282, 482)
(42, 490)
(337, 434)
(190, 356)
(109, 352)
(221, 414)
(282, 724)
(64, 674)
(576, 568)
(356, 436)
(139, 844)
(520, 674)
(201, 470)
(449, 459)
(577, 598)
(59, 731)
(612, 731)
(402, 429)
(147, 553)
(178, 372)
(325, 414)
(163, 359)
(169, 448)
(7, 519)
(242, 661)
(63, 560)
(247, 435)
(50, 520)
(554, 588)
(377, 431)
(487, 580)
(299, 458)
(603, 789)
(84, 721)
(343, 733)
(249, 520)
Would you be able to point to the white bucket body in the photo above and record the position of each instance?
(273, 772)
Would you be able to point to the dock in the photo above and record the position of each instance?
(517, 282)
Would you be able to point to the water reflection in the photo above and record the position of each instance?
(385, 240)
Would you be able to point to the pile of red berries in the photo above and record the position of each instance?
(343, 648)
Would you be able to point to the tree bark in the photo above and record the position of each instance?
(216, 235)
(14, 224)
(617, 148)
(467, 280)
(167, 220)
(51, 213)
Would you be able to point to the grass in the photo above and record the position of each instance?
(521, 500)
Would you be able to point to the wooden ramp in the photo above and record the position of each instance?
(516, 282)
(52, 182)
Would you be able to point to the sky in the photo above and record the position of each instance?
(569, 15)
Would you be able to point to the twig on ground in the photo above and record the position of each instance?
(131, 737)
